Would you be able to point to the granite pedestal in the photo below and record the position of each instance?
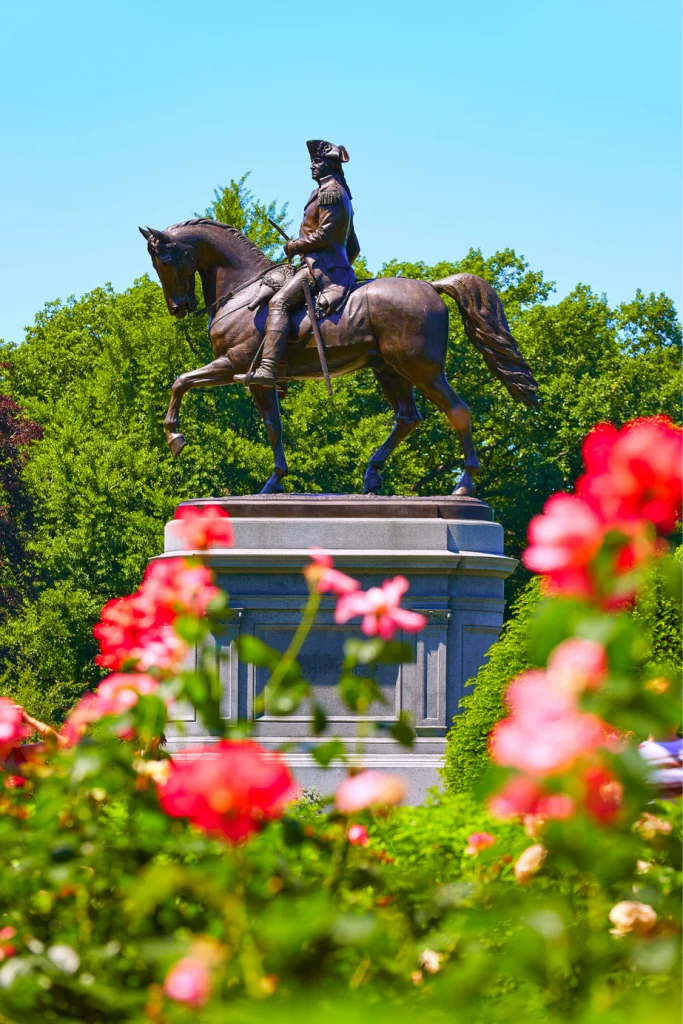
(451, 551)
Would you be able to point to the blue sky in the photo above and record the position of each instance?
(553, 128)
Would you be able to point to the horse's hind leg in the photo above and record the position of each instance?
(437, 389)
(399, 393)
(269, 406)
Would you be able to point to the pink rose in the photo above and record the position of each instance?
(188, 981)
(369, 789)
(577, 665)
(478, 841)
(12, 727)
(380, 609)
(358, 835)
(115, 695)
(230, 789)
(325, 578)
(562, 543)
(545, 733)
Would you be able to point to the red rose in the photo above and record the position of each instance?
(230, 788)
(203, 526)
(634, 473)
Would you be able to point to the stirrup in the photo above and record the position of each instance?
(261, 376)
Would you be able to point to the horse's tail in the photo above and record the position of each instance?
(487, 328)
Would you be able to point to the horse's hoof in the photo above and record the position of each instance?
(273, 486)
(465, 487)
(176, 442)
(372, 482)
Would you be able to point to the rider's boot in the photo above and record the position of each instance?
(273, 350)
(266, 375)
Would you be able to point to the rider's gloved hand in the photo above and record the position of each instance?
(291, 248)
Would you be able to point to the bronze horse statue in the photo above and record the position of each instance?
(396, 326)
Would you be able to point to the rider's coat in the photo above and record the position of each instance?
(328, 237)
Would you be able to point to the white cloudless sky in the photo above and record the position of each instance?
(552, 128)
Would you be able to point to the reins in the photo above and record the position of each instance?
(235, 291)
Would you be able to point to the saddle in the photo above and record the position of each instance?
(348, 324)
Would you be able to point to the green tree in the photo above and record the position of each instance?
(237, 205)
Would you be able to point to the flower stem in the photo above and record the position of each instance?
(298, 640)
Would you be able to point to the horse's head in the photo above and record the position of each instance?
(175, 262)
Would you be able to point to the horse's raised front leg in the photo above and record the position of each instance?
(269, 406)
(399, 393)
(214, 374)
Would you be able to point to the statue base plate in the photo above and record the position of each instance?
(451, 551)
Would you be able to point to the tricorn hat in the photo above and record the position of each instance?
(326, 151)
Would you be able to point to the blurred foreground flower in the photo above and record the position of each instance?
(430, 961)
(203, 526)
(577, 665)
(137, 631)
(229, 789)
(562, 543)
(7, 947)
(478, 841)
(322, 575)
(546, 733)
(189, 981)
(358, 835)
(369, 789)
(630, 916)
(115, 695)
(13, 729)
(632, 486)
(522, 797)
(529, 863)
(380, 609)
(635, 472)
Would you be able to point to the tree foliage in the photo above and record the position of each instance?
(16, 507)
(95, 374)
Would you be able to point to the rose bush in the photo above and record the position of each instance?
(138, 887)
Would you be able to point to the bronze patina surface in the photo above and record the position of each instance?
(397, 327)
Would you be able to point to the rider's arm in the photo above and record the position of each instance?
(352, 245)
(328, 215)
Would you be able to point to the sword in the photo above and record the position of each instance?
(311, 311)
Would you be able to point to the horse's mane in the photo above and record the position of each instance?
(250, 248)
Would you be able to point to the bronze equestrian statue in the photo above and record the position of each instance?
(396, 326)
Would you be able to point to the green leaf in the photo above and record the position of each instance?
(292, 832)
(218, 607)
(149, 714)
(191, 629)
(255, 652)
(403, 730)
(377, 651)
(361, 652)
(396, 652)
(553, 622)
(286, 699)
(319, 719)
(359, 692)
(325, 753)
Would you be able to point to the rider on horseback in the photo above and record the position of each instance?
(327, 238)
